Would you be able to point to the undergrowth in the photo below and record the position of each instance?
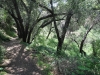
(3, 36)
(70, 62)
(10, 33)
(2, 53)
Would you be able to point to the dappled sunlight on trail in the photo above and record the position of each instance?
(21, 61)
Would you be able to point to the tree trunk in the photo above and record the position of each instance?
(24, 37)
(26, 33)
(17, 25)
(19, 20)
(59, 47)
(83, 40)
(94, 50)
(81, 48)
(29, 36)
(61, 39)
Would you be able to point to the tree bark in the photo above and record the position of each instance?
(29, 35)
(17, 24)
(83, 40)
(81, 48)
(59, 46)
(20, 20)
(61, 38)
(65, 27)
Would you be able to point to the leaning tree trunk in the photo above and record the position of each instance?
(83, 40)
(81, 48)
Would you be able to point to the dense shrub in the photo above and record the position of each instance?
(2, 52)
(10, 33)
(88, 66)
(3, 37)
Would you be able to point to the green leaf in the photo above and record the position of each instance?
(1, 68)
(83, 68)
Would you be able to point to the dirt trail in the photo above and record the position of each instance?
(20, 59)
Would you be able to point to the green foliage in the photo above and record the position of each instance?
(44, 64)
(96, 7)
(44, 45)
(70, 49)
(6, 23)
(2, 73)
(47, 70)
(82, 12)
(88, 65)
(4, 37)
(96, 49)
(1, 68)
(2, 52)
(80, 65)
(10, 33)
(45, 49)
(25, 44)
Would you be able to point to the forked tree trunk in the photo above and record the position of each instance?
(64, 30)
(61, 38)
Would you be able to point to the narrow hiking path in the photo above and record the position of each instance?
(20, 59)
(21, 62)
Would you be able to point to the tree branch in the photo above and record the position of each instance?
(24, 6)
(43, 6)
(55, 25)
(50, 15)
(49, 31)
(47, 23)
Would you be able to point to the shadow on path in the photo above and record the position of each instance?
(21, 60)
